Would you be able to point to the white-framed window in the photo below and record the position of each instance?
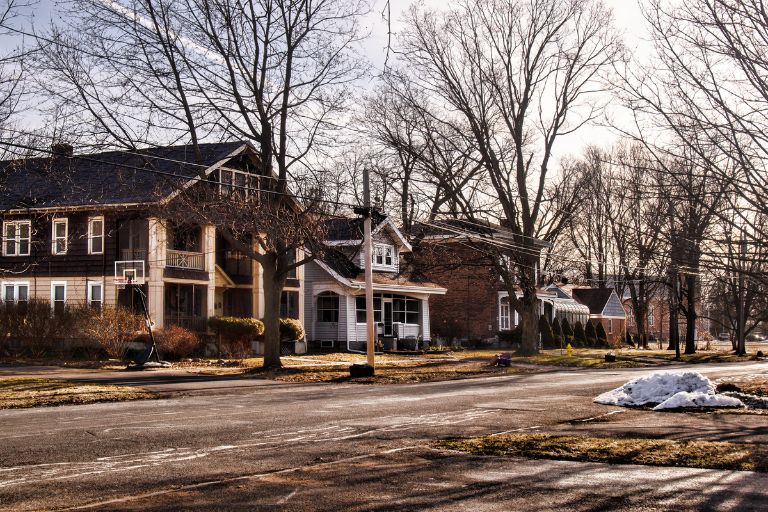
(96, 235)
(96, 294)
(17, 238)
(383, 255)
(405, 310)
(58, 296)
(630, 317)
(505, 320)
(328, 307)
(650, 316)
(237, 182)
(59, 236)
(610, 326)
(16, 292)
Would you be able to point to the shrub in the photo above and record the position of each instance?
(34, 326)
(236, 334)
(234, 327)
(602, 337)
(639, 341)
(591, 334)
(515, 336)
(113, 329)
(628, 339)
(579, 336)
(175, 342)
(547, 336)
(291, 329)
(557, 332)
(567, 331)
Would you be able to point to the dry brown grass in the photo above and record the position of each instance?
(22, 392)
(389, 373)
(652, 452)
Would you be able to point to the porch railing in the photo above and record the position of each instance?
(133, 254)
(184, 259)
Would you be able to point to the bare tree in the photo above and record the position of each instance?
(276, 73)
(518, 75)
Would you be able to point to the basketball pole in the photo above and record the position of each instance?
(148, 323)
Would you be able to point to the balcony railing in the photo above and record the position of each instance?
(184, 259)
(133, 254)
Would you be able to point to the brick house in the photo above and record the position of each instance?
(476, 305)
(68, 219)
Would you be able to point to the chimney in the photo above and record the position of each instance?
(61, 149)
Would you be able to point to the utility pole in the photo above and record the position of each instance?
(676, 302)
(742, 345)
(371, 345)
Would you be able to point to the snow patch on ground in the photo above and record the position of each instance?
(668, 390)
(698, 399)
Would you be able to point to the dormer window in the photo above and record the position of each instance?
(383, 256)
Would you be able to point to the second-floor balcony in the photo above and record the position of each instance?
(185, 259)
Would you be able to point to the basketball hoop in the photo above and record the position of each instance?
(129, 273)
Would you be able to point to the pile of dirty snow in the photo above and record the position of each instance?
(669, 390)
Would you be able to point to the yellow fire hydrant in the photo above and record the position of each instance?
(569, 350)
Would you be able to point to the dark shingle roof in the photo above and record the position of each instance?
(348, 229)
(594, 298)
(104, 178)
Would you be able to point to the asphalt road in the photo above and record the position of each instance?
(235, 444)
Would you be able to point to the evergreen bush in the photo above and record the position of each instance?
(602, 337)
(567, 331)
(557, 332)
(290, 329)
(579, 336)
(591, 334)
(547, 335)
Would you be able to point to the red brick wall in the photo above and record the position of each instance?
(469, 309)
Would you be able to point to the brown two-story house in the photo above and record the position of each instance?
(68, 221)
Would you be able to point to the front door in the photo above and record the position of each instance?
(387, 318)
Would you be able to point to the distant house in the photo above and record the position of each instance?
(335, 289)
(455, 254)
(68, 219)
(606, 308)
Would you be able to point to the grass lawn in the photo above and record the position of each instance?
(388, 372)
(22, 392)
(653, 452)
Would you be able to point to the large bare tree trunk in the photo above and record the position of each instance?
(272, 291)
(690, 315)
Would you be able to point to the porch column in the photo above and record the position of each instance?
(209, 253)
(426, 336)
(156, 247)
(258, 285)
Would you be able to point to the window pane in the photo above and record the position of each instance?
(97, 245)
(10, 247)
(58, 293)
(10, 230)
(61, 230)
(24, 247)
(8, 295)
(96, 293)
(24, 230)
(22, 293)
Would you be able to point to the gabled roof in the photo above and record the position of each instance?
(344, 270)
(462, 229)
(594, 298)
(349, 231)
(109, 178)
